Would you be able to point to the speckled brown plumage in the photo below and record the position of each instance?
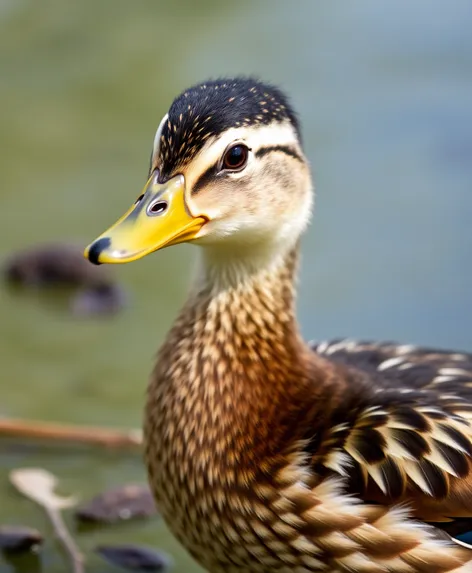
(265, 453)
(238, 415)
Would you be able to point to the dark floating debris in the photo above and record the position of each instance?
(18, 539)
(63, 265)
(130, 501)
(135, 557)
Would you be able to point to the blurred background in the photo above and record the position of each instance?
(384, 92)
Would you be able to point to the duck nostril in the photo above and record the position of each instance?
(138, 200)
(157, 208)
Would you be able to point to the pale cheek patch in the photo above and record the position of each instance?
(269, 200)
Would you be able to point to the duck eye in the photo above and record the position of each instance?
(235, 158)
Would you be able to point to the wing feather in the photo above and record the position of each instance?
(411, 439)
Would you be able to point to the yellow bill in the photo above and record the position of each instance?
(159, 218)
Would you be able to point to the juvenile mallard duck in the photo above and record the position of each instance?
(265, 453)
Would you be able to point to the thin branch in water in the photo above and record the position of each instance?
(38, 485)
(90, 435)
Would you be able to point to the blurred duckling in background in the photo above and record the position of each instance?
(58, 265)
(266, 453)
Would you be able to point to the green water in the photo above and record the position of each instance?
(384, 91)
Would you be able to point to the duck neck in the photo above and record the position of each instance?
(245, 270)
(235, 356)
(249, 298)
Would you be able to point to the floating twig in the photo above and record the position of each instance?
(39, 484)
(90, 435)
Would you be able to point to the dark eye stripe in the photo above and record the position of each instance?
(205, 178)
(212, 171)
(280, 148)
